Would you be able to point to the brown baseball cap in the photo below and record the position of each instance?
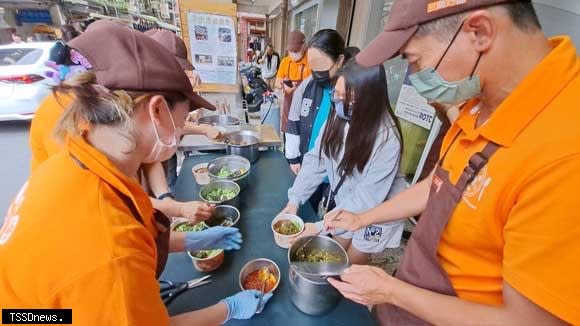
(296, 41)
(404, 20)
(174, 44)
(123, 58)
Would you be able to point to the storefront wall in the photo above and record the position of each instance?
(314, 15)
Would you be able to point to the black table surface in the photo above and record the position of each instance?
(260, 202)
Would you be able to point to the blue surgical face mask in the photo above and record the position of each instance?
(434, 88)
(341, 111)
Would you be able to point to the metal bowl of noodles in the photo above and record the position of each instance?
(203, 260)
(230, 167)
(221, 192)
(224, 215)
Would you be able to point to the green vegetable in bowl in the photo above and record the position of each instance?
(224, 172)
(220, 195)
(287, 227)
(203, 254)
(190, 228)
(318, 256)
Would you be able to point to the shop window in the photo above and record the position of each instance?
(306, 21)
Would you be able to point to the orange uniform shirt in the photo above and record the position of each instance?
(69, 241)
(42, 143)
(519, 221)
(296, 71)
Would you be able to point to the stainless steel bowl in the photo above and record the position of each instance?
(313, 295)
(257, 264)
(221, 184)
(245, 143)
(222, 120)
(222, 212)
(231, 162)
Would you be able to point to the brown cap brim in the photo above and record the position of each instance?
(198, 102)
(385, 46)
(184, 63)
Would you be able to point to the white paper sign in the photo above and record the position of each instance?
(414, 108)
(213, 47)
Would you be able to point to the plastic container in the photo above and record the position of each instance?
(282, 240)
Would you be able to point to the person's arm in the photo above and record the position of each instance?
(213, 315)
(540, 229)
(292, 146)
(242, 305)
(281, 75)
(195, 211)
(410, 202)
(210, 132)
(311, 175)
(370, 285)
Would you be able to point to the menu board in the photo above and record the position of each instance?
(213, 47)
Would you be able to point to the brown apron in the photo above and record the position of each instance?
(162, 223)
(420, 265)
(288, 99)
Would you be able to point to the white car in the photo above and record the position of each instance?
(23, 85)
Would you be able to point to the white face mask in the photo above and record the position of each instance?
(162, 152)
(296, 56)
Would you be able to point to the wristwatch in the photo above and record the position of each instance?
(165, 195)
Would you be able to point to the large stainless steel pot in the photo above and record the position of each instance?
(313, 295)
(243, 143)
(231, 162)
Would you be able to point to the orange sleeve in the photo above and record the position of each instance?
(283, 69)
(542, 240)
(124, 292)
(36, 142)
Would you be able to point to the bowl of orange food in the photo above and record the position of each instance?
(260, 274)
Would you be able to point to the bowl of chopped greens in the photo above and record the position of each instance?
(230, 167)
(286, 227)
(221, 192)
(203, 260)
(224, 215)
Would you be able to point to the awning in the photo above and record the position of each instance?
(146, 17)
(99, 16)
(167, 26)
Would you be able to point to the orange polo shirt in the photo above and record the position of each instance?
(69, 241)
(41, 140)
(519, 221)
(296, 71)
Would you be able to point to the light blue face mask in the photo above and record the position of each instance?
(434, 88)
(340, 112)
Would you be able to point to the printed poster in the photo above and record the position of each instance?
(213, 47)
(413, 107)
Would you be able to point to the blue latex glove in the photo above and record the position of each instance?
(219, 237)
(243, 305)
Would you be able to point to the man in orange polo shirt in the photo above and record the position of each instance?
(499, 239)
(292, 71)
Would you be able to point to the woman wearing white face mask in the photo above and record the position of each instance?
(292, 71)
(84, 209)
